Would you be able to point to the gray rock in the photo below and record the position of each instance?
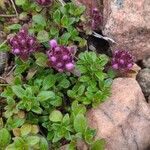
(143, 78)
(3, 55)
(3, 60)
(146, 62)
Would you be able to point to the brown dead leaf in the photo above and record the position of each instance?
(134, 71)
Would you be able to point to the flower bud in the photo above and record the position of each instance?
(69, 66)
(53, 43)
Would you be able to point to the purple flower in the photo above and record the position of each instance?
(44, 2)
(23, 44)
(122, 60)
(96, 19)
(61, 58)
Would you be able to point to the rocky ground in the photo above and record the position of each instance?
(124, 119)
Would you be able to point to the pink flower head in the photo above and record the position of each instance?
(61, 58)
(44, 2)
(23, 44)
(122, 60)
(96, 19)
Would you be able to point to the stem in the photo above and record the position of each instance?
(13, 4)
(62, 2)
(2, 78)
(11, 70)
(4, 84)
(102, 37)
(3, 43)
(3, 15)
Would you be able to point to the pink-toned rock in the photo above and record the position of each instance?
(124, 119)
(128, 23)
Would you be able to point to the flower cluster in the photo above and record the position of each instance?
(44, 2)
(61, 57)
(23, 44)
(96, 18)
(122, 60)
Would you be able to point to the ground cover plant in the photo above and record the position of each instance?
(55, 78)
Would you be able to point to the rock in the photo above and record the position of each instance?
(143, 78)
(146, 62)
(128, 23)
(149, 99)
(3, 55)
(3, 59)
(124, 119)
(64, 147)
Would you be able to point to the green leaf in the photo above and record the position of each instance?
(14, 122)
(14, 27)
(84, 78)
(80, 123)
(71, 93)
(57, 16)
(79, 11)
(98, 145)
(71, 20)
(5, 137)
(54, 31)
(4, 47)
(18, 144)
(64, 83)
(65, 21)
(37, 109)
(66, 119)
(89, 135)
(103, 60)
(72, 146)
(43, 144)
(55, 116)
(100, 75)
(81, 90)
(33, 140)
(21, 66)
(1, 123)
(20, 2)
(64, 38)
(45, 95)
(43, 36)
(39, 19)
(18, 90)
(56, 102)
(26, 129)
(82, 69)
(49, 81)
(41, 59)
(78, 108)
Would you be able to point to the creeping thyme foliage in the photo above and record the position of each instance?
(52, 83)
